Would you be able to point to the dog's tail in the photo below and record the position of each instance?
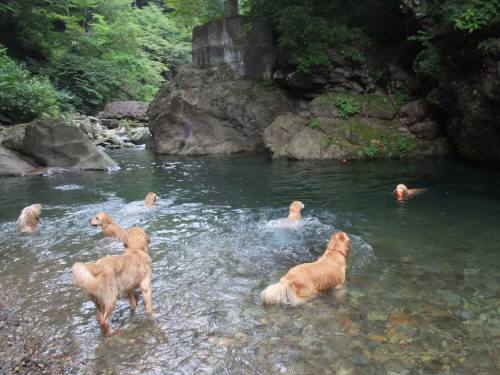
(279, 293)
(83, 278)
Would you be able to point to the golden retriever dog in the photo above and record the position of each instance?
(150, 200)
(108, 226)
(295, 208)
(305, 281)
(402, 193)
(117, 276)
(29, 218)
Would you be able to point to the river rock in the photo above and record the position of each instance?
(125, 109)
(13, 164)
(419, 118)
(373, 131)
(55, 143)
(211, 111)
(139, 136)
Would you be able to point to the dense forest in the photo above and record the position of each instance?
(76, 55)
(60, 56)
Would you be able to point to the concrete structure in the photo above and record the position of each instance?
(245, 44)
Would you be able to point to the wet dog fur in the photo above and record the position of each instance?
(108, 226)
(402, 193)
(150, 200)
(117, 276)
(304, 282)
(29, 218)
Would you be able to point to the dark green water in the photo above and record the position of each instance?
(423, 291)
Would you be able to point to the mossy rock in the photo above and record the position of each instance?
(366, 105)
(295, 137)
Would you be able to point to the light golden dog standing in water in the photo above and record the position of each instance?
(108, 226)
(117, 276)
(402, 193)
(305, 281)
(150, 200)
(29, 218)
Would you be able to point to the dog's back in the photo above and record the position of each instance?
(114, 275)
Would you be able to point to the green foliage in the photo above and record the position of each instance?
(98, 50)
(403, 145)
(196, 12)
(314, 123)
(24, 96)
(306, 33)
(370, 151)
(427, 65)
(345, 105)
(422, 37)
(471, 15)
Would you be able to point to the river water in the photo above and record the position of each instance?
(423, 284)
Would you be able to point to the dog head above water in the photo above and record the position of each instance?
(29, 218)
(295, 208)
(102, 219)
(136, 238)
(340, 243)
(401, 192)
(150, 199)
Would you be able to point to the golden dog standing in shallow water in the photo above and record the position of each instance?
(108, 226)
(150, 199)
(29, 218)
(118, 275)
(303, 282)
(402, 193)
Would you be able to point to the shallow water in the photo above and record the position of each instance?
(423, 293)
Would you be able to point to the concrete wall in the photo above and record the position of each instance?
(243, 43)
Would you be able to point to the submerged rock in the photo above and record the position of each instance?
(211, 111)
(55, 143)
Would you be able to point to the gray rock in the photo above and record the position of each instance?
(420, 120)
(55, 143)
(125, 109)
(140, 136)
(13, 164)
(211, 111)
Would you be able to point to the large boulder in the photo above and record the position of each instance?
(12, 163)
(125, 109)
(370, 130)
(211, 111)
(55, 143)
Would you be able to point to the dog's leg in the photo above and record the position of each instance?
(133, 300)
(146, 294)
(104, 323)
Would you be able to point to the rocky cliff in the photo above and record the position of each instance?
(211, 111)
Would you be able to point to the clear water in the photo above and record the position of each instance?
(423, 294)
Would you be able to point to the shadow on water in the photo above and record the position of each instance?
(423, 292)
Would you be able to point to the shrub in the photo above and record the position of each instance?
(346, 106)
(24, 96)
